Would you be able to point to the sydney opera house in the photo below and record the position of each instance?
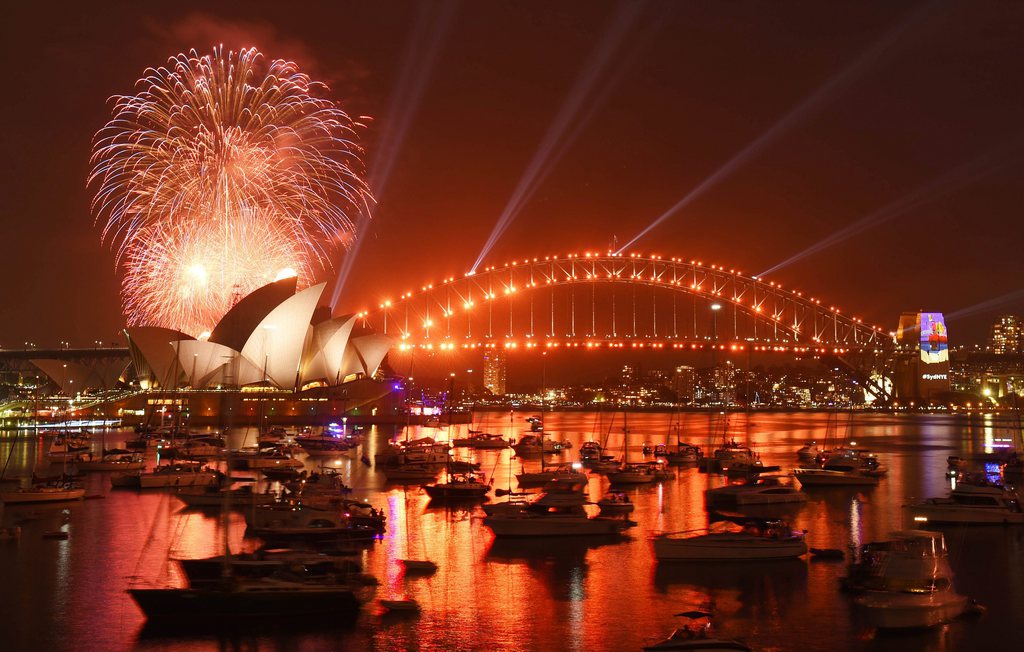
(274, 356)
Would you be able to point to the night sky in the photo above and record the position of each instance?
(699, 81)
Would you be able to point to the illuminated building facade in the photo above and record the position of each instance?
(494, 371)
(1007, 335)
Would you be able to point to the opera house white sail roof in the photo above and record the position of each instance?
(268, 339)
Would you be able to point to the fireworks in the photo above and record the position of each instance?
(221, 174)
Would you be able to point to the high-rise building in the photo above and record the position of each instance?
(494, 371)
(684, 383)
(1007, 335)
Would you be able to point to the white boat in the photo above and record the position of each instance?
(42, 494)
(910, 585)
(844, 466)
(970, 504)
(762, 490)
(640, 473)
(67, 447)
(173, 475)
(557, 512)
(756, 541)
(808, 453)
(265, 459)
(111, 462)
(733, 454)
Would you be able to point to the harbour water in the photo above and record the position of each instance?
(543, 595)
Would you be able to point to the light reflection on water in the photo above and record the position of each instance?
(578, 595)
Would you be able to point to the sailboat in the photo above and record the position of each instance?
(414, 566)
(42, 490)
(466, 485)
(630, 473)
(239, 596)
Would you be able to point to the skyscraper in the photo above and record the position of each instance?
(1007, 335)
(494, 371)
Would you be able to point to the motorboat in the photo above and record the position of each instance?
(295, 521)
(732, 453)
(417, 451)
(530, 445)
(214, 496)
(754, 540)
(762, 490)
(563, 472)
(684, 454)
(199, 446)
(175, 474)
(591, 451)
(638, 473)
(110, 461)
(970, 504)
(559, 511)
(411, 472)
(262, 458)
(808, 453)
(844, 467)
(659, 468)
(459, 486)
(362, 513)
(615, 502)
(908, 583)
(696, 634)
(323, 445)
(484, 440)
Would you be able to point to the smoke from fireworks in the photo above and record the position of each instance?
(222, 173)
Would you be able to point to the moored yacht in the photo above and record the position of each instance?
(562, 472)
(482, 440)
(844, 466)
(970, 504)
(759, 540)
(762, 490)
(909, 583)
(459, 486)
(640, 473)
(557, 512)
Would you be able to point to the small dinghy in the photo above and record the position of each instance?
(407, 605)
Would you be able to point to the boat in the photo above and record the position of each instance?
(67, 447)
(418, 566)
(214, 496)
(559, 511)
(762, 490)
(615, 502)
(696, 635)
(110, 461)
(908, 583)
(417, 451)
(246, 598)
(459, 486)
(197, 446)
(635, 473)
(844, 467)
(563, 472)
(295, 521)
(265, 563)
(324, 445)
(684, 454)
(733, 454)
(975, 504)
(401, 605)
(531, 445)
(42, 493)
(756, 540)
(175, 474)
(808, 453)
(261, 459)
(482, 440)
(411, 473)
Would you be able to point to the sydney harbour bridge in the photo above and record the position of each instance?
(616, 301)
(595, 301)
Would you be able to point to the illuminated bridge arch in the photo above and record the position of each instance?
(609, 300)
